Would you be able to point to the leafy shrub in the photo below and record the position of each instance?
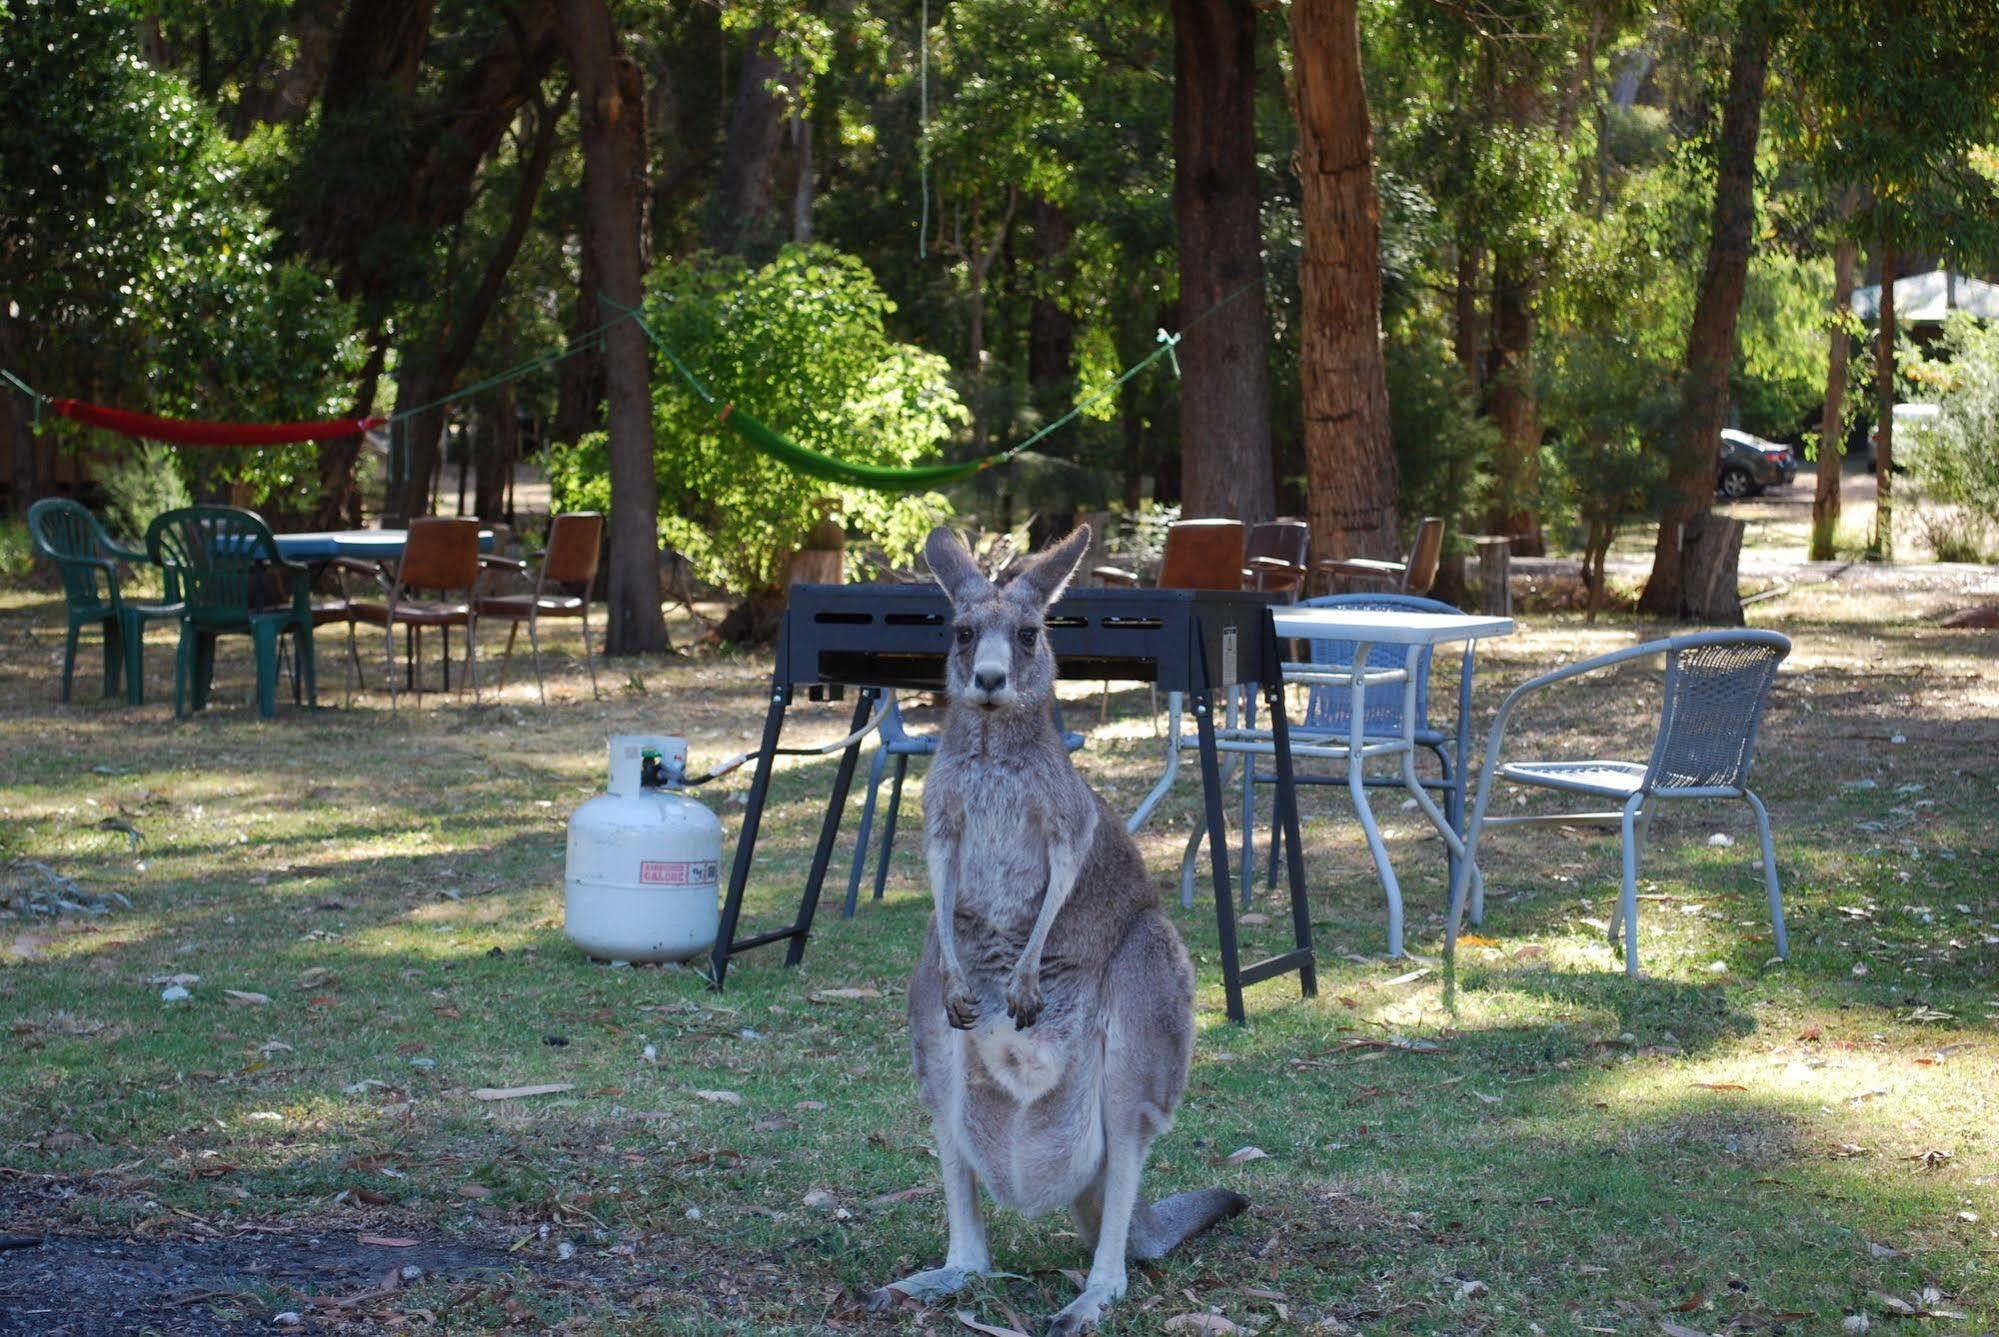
(801, 344)
(139, 484)
(17, 550)
(1954, 460)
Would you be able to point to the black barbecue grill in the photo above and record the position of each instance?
(875, 637)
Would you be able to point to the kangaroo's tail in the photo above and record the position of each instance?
(1160, 1227)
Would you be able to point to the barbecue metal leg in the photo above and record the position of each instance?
(1285, 818)
(829, 830)
(746, 839)
(1218, 849)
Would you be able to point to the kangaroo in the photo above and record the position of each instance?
(1052, 1013)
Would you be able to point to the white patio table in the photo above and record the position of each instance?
(1416, 632)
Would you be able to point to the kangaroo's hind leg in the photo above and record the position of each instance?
(965, 1257)
(1148, 1042)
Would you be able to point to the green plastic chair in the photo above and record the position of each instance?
(225, 558)
(67, 534)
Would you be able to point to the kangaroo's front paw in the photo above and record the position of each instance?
(960, 1008)
(1023, 998)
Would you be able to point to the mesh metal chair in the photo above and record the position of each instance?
(899, 743)
(1716, 685)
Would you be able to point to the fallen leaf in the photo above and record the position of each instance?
(1883, 1251)
(810, 1105)
(1253, 919)
(900, 1195)
(819, 1197)
(1410, 978)
(1201, 1323)
(778, 1125)
(1721, 1086)
(474, 1191)
(964, 1316)
(835, 995)
(1671, 1329)
(386, 1242)
(1691, 1303)
(1476, 940)
(184, 980)
(244, 998)
(1490, 1100)
(1243, 1155)
(515, 1092)
(721, 1097)
(315, 977)
(1892, 1304)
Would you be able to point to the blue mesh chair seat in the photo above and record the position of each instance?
(897, 742)
(1715, 689)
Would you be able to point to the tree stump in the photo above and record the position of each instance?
(1710, 552)
(823, 559)
(1495, 575)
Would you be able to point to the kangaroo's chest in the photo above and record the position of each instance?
(998, 824)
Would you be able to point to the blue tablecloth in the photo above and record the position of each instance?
(369, 544)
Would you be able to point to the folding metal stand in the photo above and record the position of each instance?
(872, 637)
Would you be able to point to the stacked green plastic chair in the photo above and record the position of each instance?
(87, 558)
(225, 559)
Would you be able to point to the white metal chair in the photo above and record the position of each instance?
(1717, 683)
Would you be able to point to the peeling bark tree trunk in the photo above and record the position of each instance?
(739, 215)
(1351, 483)
(339, 505)
(613, 104)
(1225, 463)
(1711, 341)
(1884, 412)
(1832, 427)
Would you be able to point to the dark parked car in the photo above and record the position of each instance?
(1749, 464)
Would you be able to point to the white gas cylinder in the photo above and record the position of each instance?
(643, 861)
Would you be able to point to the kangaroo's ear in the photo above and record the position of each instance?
(1048, 574)
(952, 567)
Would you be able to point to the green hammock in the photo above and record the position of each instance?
(803, 459)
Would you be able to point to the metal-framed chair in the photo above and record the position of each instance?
(574, 540)
(1274, 557)
(87, 558)
(224, 560)
(897, 742)
(440, 555)
(1414, 575)
(1328, 715)
(1716, 686)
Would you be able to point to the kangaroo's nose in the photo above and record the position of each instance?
(989, 680)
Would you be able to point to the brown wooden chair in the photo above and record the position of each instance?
(440, 556)
(1274, 557)
(574, 540)
(1200, 555)
(1414, 576)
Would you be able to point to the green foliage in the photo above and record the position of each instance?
(800, 343)
(144, 271)
(140, 483)
(17, 550)
(1442, 443)
(1955, 459)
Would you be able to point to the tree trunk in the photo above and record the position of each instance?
(1466, 336)
(435, 371)
(579, 379)
(1350, 474)
(339, 505)
(1832, 426)
(1225, 458)
(1511, 403)
(803, 180)
(1884, 412)
(1709, 560)
(613, 191)
(502, 448)
(977, 267)
(1051, 329)
(1711, 341)
(739, 214)
(17, 416)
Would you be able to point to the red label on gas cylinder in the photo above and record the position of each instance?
(665, 873)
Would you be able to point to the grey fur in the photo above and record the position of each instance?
(1052, 1013)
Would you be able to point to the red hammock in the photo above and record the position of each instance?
(193, 432)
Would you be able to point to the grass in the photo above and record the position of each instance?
(1728, 1143)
